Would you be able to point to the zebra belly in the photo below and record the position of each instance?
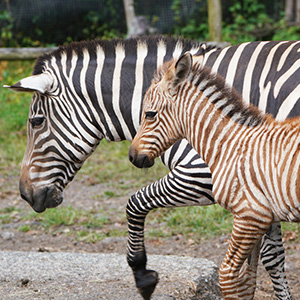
(287, 211)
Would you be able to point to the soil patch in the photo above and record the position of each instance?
(83, 196)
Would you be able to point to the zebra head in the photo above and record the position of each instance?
(160, 127)
(56, 149)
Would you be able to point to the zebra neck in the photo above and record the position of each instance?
(116, 96)
(123, 82)
(214, 119)
(124, 72)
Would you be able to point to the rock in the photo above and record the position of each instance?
(86, 276)
(191, 278)
(7, 235)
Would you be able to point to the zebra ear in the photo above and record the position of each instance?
(182, 68)
(37, 83)
(177, 73)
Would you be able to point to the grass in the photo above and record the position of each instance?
(82, 225)
(13, 115)
(195, 222)
(109, 164)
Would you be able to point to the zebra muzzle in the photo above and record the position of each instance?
(140, 160)
(41, 198)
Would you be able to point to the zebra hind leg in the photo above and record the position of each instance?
(273, 258)
(146, 280)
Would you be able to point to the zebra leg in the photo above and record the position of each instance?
(273, 258)
(146, 280)
(181, 187)
(237, 277)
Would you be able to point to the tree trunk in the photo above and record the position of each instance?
(298, 11)
(289, 11)
(129, 12)
(215, 20)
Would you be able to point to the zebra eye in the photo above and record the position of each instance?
(35, 122)
(150, 114)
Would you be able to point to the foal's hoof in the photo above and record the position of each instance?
(146, 281)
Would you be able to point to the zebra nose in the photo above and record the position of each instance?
(24, 195)
(130, 156)
(141, 160)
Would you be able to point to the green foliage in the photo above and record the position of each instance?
(244, 21)
(6, 31)
(68, 216)
(56, 217)
(10, 37)
(95, 28)
(195, 27)
(249, 18)
(284, 32)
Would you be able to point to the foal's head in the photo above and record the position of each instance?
(160, 124)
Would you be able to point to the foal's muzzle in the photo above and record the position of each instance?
(140, 160)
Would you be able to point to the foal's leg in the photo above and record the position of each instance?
(237, 276)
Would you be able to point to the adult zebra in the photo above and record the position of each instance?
(254, 159)
(77, 102)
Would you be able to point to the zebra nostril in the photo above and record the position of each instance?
(130, 157)
(24, 197)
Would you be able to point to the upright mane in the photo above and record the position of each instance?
(108, 47)
(203, 78)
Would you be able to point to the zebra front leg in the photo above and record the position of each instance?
(186, 185)
(146, 280)
(237, 276)
(272, 257)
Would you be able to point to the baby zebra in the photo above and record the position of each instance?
(254, 160)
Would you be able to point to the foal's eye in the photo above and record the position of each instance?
(150, 114)
(35, 122)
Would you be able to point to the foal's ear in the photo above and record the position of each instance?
(182, 68)
(177, 73)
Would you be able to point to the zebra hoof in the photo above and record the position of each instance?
(146, 281)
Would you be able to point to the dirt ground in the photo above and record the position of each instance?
(81, 196)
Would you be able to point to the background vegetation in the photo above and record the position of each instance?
(48, 22)
(246, 20)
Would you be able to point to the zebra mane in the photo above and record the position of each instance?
(234, 106)
(218, 90)
(109, 46)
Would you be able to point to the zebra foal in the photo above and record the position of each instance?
(254, 159)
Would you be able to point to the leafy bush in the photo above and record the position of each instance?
(250, 22)
(285, 32)
(6, 31)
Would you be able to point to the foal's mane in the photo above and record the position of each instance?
(244, 113)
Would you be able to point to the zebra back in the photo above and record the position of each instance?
(121, 69)
(266, 74)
